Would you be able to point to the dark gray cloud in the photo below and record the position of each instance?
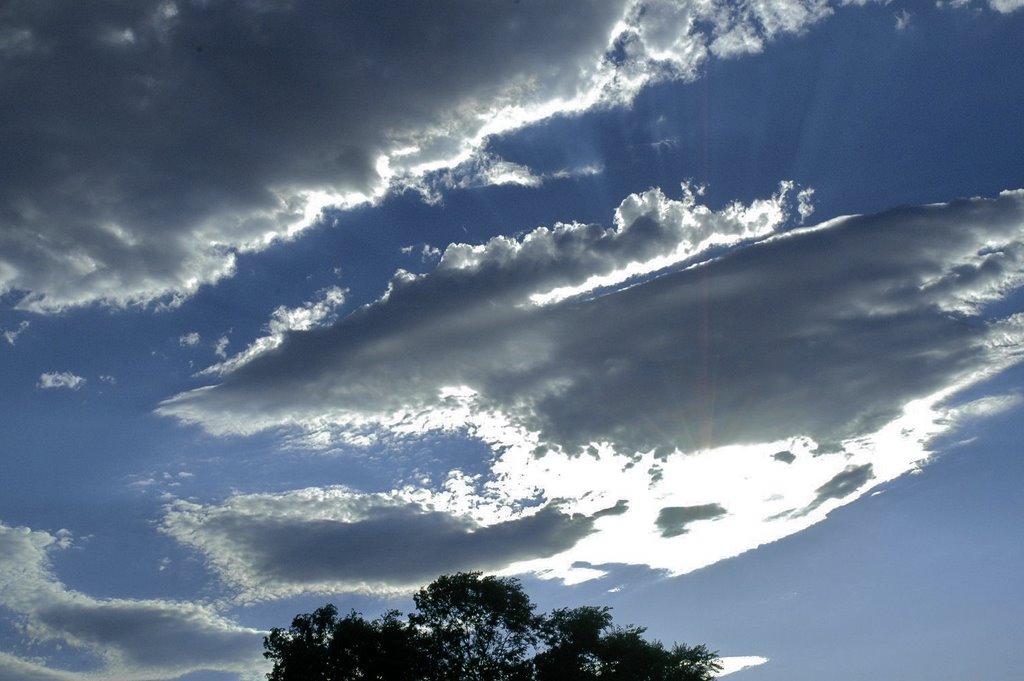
(151, 635)
(851, 479)
(784, 456)
(146, 142)
(280, 545)
(673, 520)
(827, 332)
(401, 545)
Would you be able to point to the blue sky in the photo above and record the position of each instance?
(710, 312)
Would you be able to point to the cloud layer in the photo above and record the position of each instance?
(132, 639)
(763, 376)
(148, 143)
(339, 540)
(824, 332)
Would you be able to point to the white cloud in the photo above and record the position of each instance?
(1006, 6)
(1001, 6)
(135, 639)
(283, 320)
(766, 375)
(62, 379)
(220, 348)
(189, 340)
(485, 169)
(254, 138)
(731, 665)
(11, 335)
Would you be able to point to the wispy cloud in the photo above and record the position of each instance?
(310, 315)
(189, 340)
(11, 335)
(60, 379)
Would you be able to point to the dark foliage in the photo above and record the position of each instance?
(468, 627)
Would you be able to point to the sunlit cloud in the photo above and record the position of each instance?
(150, 208)
(131, 639)
(733, 664)
(310, 315)
(765, 375)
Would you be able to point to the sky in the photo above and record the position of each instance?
(711, 312)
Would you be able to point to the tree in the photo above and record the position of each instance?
(301, 651)
(573, 640)
(476, 628)
(468, 627)
(321, 647)
(582, 645)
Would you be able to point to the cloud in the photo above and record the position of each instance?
(844, 484)
(1001, 6)
(733, 664)
(1006, 6)
(220, 348)
(674, 361)
(63, 379)
(673, 520)
(189, 340)
(134, 639)
(825, 332)
(211, 129)
(283, 320)
(15, 669)
(335, 539)
(485, 169)
(784, 457)
(11, 335)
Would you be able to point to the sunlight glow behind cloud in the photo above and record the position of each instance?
(342, 143)
(772, 414)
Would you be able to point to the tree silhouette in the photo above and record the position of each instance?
(468, 627)
(582, 645)
(476, 628)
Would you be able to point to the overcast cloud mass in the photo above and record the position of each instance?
(669, 305)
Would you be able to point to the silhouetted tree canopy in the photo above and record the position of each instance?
(470, 627)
